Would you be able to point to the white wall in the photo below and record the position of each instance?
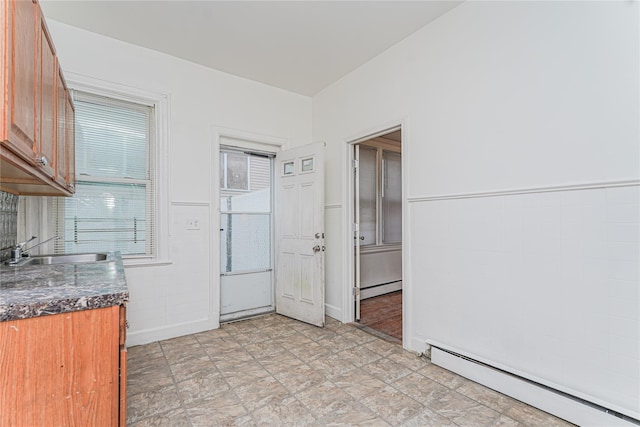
(521, 147)
(182, 297)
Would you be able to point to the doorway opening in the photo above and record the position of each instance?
(271, 217)
(246, 233)
(377, 207)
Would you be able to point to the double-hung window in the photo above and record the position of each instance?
(380, 196)
(113, 208)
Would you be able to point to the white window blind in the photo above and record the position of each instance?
(113, 208)
(380, 196)
(391, 206)
(368, 195)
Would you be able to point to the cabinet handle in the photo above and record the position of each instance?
(42, 161)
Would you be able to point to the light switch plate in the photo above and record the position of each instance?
(193, 224)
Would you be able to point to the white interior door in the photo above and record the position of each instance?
(299, 213)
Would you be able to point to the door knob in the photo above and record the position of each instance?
(316, 248)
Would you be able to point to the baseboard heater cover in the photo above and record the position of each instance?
(558, 403)
(380, 289)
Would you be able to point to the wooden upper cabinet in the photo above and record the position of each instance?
(20, 31)
(61, 155)
(70, 142)
(36, 123)
(61, 113)
(47, 89)
(65, 150)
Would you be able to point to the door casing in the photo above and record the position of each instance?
(252, 142)
(349, 268)
(251, 295)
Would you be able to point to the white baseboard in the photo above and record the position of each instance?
(541, 397)
(164, 333)
(333, 312)
(418, 345)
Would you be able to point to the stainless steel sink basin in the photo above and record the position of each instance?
(64, 259)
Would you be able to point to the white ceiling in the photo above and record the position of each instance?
(300, 46)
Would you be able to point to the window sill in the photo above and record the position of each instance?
(145, 262)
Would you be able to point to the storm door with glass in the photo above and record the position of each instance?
(246, 234)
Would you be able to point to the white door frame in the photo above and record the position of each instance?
(348, 202)
(250, 141)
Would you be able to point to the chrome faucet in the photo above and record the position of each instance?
(17, 252)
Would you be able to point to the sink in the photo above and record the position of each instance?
(64, 259)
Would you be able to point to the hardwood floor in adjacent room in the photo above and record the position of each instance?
(383, 313)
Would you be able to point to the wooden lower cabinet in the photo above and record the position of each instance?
(64, 370)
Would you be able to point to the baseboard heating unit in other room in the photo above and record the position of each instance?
(558, 403)
(381, 289)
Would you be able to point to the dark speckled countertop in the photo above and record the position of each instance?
(39, 290)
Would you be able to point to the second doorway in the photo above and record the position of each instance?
(378, 236)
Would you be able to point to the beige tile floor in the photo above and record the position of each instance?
(274, 371)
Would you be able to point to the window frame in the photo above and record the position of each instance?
(379, 148)
(158, 159)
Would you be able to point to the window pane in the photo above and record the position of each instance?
(245, 242)
(288, 168)
(111, 140)
(237, 171)
(105, 217)
(307, 165)
(368, 195)
(392, 198)
(257, 198)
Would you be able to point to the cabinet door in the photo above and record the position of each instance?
(60, 370)
(61, 126)
(22, 77)
(48, 72)
(70, 142)
(122, 417)
(123, 366)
